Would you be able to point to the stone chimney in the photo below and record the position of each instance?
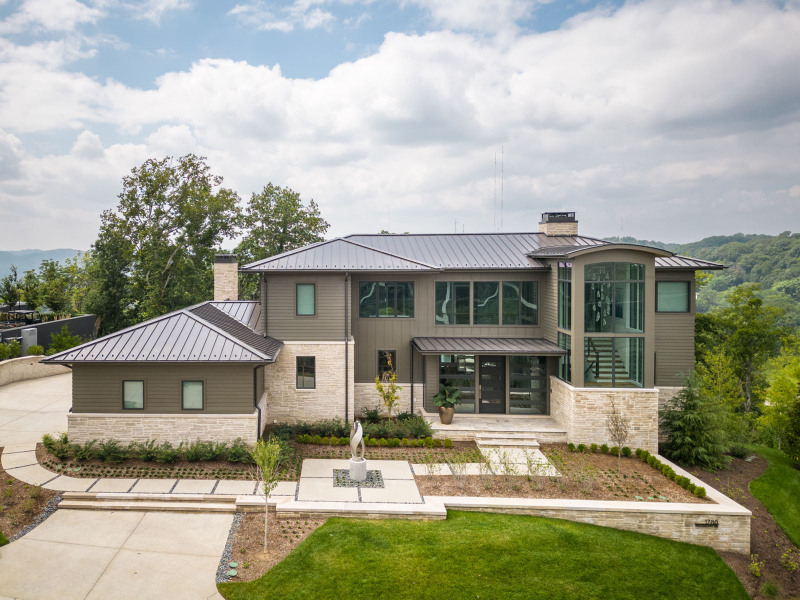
(226, 277)
(558, 223)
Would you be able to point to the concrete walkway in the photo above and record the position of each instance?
(77, 555)
(29, 409)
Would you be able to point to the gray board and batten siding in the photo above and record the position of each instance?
(674, 336)
(97, 387)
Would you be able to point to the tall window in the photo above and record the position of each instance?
(520, 301)
(565, 362)
(673, 296)
(614, 298)
(386, 299)
(458, 371)
(485, 303)
(387, 361)
(306, 373)
(192, 395)
(565, 295)
(306, 299)
(133, 395)
(452, 303)
(527, 385)
(613, 361)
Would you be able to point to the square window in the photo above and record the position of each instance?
(306, 300)
(673, 296)
(192, 395)
(133, 395)
(306, 373)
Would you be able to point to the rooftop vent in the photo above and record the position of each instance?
(558, 223)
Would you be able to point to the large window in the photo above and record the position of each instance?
(133, 395)
(673, 296)
(520, 301)
(613, 361)
(565, 362)
(306, 299)
(614, 298)
(386, 299)
(565, 295)
(452, 303)
(306, 373)
(192, 395)
(527, 385)
(485, 303)
(458, 371)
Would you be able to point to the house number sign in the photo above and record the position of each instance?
(708, 523)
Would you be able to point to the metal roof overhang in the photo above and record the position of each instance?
(480, 345)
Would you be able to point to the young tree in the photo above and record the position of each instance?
(695, 427)
(55, 286)
(9, 288)
(63, 340)
(618, 427)
(386, 384)
(30, 287)
(267, 455)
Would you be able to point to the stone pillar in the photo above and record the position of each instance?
(558, 223)
(226, 277)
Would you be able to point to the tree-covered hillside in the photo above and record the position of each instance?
(771, 260)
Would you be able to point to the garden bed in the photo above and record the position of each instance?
(20, 503)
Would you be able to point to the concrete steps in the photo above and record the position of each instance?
(150, 502)
(506, 439)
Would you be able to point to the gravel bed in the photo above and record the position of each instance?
(223, 568)
(49, 509)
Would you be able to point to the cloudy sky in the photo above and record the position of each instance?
(669, 120)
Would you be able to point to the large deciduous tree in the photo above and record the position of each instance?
(9, 288)
(155, 251)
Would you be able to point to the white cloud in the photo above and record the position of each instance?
(49, 15)
(154, 10)
(272, 16)
(477, 15)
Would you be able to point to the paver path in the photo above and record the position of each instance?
(29, 409)
(89, 554)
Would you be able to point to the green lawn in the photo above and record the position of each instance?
(477, 555)
(3, 539)
(778, 489)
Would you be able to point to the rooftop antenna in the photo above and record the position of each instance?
(455, 225)
(494, 205)
(502, 181)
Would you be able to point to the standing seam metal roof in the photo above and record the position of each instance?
(478, 345)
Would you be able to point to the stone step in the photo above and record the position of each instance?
(149, 505)
(143, 497)
(366, 510)
(507, 435)
(496, 443)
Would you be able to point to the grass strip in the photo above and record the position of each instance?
(778, 489)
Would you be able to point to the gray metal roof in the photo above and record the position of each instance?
(685, 262)
(244, 311)
(479, 345)
(338, 255)
(200, 333)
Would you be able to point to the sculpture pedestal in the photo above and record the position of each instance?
(358, 469)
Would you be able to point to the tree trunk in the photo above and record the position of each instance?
(266, 517)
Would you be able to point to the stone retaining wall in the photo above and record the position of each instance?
(27, 367)
(173, 428)
(366, 396)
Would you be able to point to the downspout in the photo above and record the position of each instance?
(255, 400)
(346, 352)
(412, 378)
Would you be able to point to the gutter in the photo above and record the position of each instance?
(255, 400)
(346, 351)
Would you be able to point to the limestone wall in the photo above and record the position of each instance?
(173, 428)
(286, 403)
(27, 367)
(366, 396)
(583, 412)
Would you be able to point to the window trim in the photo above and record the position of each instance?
(614, 284)
(144, 396)
(688, 299)
(395, 302)
(451, 284)
(519, 322)
(297, 299)
(203, 399)
(297, 372)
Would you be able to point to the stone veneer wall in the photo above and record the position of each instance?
(173, 428)
(366, 396)
(226, 280)
(27, 367)
(665, 394)
(285, 403)
(583, 411)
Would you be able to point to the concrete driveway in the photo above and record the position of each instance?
(87, 554)
(29, 409)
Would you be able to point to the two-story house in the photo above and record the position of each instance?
(526, 325)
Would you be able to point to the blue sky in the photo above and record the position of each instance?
(662, 119)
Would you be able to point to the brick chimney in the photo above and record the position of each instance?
(558, 223)
(226, 277)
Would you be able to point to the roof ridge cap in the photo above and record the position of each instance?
(289, 252)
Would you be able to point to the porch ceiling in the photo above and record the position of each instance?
(482, 345)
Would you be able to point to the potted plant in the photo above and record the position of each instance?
(447, 399)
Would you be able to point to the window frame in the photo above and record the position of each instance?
(202, 383)
(297, 312)
(395, 303)
(688, 298)
(616, 298)
(451, 287)
(124, 381)
(313, 372)
(497, 294)
(521, 283)
(564, 300)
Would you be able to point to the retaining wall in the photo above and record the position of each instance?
(27, 367)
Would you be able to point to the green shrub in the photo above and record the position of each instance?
(371, 415)
(383, 442)
(700, 492)
(755, 565)
(14, 349)
(437, 443)
(325, 441)
(193, 452)
(215, 451)
(571, 447)
(581, 448)
(738, 451)
(394, 443)
(344, 441)
(593, 448)
(63, 340)
(35, 350)
(604, 448)
(49, 442)
(148, 450)
(85, 451)
(166, 453)
(239, 452)
(316, 439)
(405, 416)
(58, 447)
(638, 453)
(417, 427)
(428, 442)
(614, 451)
(3, 539)
(404, 442)
(419, 442)
(5, 352)
(372, 442)
(769, 589)
(691, 487)
(35, 492)
(111, 451)
(626, 451)
(448, 443)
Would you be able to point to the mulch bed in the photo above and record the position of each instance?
(20, 503)
(284, 534)
(584, 477)
(767, 539)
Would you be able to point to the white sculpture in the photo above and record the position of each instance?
(358, 464)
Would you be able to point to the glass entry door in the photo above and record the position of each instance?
(492, 384)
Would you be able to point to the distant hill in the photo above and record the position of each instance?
(632, 240)
(25, 260)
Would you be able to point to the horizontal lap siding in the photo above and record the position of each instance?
(284, 324)
(98, 388)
